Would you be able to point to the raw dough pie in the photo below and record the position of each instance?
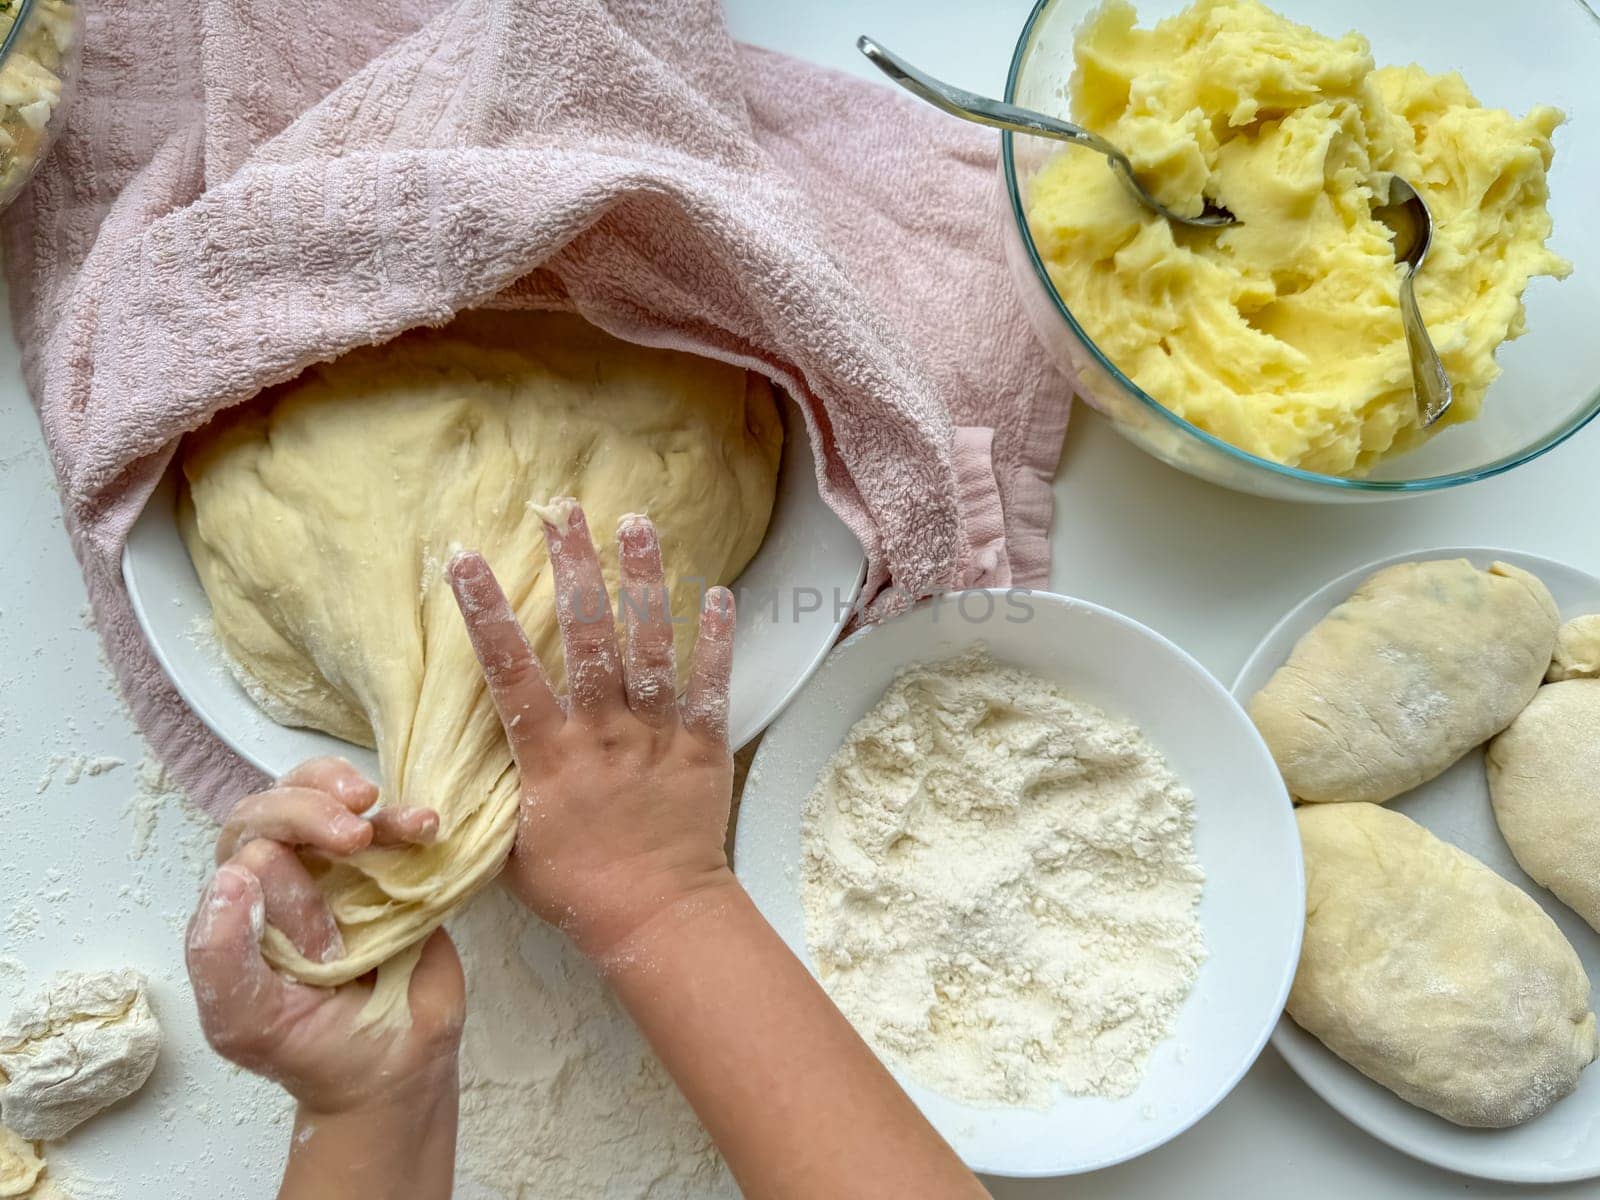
(1430, 974)
(1577, 653)
(320, 518)
(1424, 661)
(1544, 781)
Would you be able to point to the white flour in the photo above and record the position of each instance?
(560, 1096)
(1000, 886)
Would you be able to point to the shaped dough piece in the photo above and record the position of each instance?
(88, 1041)
(1423, 662)
(1544, 780)
(321, 517)
(1432, 975)
(1577, 653)
(20, 1165)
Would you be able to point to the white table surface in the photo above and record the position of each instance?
(1211, 569)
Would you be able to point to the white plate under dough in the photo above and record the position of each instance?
(1563, 1143)
(809, 563)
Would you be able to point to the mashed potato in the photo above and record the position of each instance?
(1282, 335)
(31, 86)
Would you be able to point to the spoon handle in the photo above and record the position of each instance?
(982, 110)
(1431, 384)
(997, 114)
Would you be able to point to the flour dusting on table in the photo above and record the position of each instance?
(560, 1095)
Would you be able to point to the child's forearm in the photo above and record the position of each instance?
(795, 1100)
(398, 1151)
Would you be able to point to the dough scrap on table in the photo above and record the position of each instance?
(1544, 782)
(1282, 335)
(321, 516)
(1423, 662)
(21, 1164)
(1432, 975)
(86, 1042)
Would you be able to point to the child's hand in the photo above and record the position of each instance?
(304, 1037)
(625, 792)
(624, 810)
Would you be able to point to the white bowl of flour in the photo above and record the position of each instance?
(1046, 865)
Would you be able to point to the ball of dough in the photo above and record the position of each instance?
(1423, 662)
(1544, 780)
(321, 518)
(1432, 975)
(88, 1041)
(1577, 653)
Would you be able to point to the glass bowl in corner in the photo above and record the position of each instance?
(1513, 57)
(40, 42)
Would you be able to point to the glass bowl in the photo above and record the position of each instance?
(1513, 57)
(39, 53)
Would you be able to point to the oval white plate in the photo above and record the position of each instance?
(795, 596)
(1252, 908)
(1564, 1142)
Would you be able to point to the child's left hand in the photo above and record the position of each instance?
(307, 1038)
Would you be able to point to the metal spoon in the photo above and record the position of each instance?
(998, 115)
(1408, 217)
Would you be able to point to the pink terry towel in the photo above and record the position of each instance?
(243, 189)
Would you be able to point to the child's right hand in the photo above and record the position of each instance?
(625, 791)
(624, 813)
